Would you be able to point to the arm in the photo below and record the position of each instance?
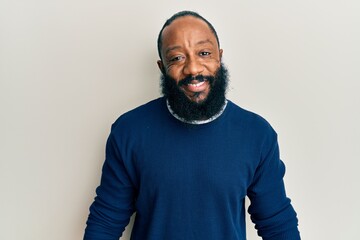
(114, 204)
(270, 209)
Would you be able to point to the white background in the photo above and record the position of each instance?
(68, 69)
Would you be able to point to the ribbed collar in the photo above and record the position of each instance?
(198, 122)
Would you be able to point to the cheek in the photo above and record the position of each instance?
(174, 72)
(213, 66)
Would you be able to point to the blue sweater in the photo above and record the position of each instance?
(187, 181)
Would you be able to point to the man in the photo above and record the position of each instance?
(185, 162)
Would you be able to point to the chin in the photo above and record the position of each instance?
(198, 98)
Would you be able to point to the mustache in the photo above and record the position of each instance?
(200, 78)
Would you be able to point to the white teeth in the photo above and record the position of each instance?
(196, 84)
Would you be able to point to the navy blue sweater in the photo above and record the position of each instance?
(187, 181)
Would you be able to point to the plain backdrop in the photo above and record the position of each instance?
(68, 69)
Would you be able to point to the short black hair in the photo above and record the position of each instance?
(183, 14)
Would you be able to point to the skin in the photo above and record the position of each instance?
(189, 48)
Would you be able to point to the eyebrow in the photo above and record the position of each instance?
(204, 41)
(169, 49)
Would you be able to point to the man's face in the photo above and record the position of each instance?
(190, 49)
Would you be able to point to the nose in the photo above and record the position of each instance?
(193, 67)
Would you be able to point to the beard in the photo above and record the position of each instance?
(190, 110)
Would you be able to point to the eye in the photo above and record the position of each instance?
(204, 53)
(176, 59)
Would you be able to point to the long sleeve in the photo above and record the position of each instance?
(270, 209)
(114, 204)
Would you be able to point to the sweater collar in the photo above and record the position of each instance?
(197, 122)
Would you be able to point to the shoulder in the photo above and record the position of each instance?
(249, 120)
(141, 115)
(254, 128)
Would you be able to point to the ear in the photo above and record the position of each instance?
(220, 53)
(161, 66)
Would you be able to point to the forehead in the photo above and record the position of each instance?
(187, 29)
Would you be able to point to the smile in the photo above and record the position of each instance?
(196, 84)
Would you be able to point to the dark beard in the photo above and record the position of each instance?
(190, 110)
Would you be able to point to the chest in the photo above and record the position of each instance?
(213, 164)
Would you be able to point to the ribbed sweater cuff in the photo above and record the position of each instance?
(290, 235)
